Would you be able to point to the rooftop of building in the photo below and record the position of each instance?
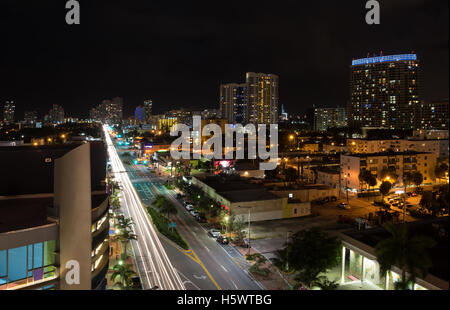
(397, 139)
(227, 184)
(405, 153)
(381, 59)
(235, 189)
(437, 229)
(28, 169)
(26, 211)
(248, 195)
(330, 170)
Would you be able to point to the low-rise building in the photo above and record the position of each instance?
(238, 196)
(334, 148)
(401, 162)
(359, 263)
(438, 146)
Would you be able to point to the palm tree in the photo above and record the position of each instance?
(409, 253)
(125, 236)
(168, 208)
(124, 272)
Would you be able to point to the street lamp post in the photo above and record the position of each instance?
(346, 186)
(287, 249)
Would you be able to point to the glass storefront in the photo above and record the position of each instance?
(27, 264)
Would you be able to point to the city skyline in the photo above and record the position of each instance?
(181, 60)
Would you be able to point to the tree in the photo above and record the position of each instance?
(385, 187)
(409, 253)
(364, 176)
(372, 181)
(125, 236)
(388, 173)
(417, 178)
(124, 273)
(310, 253)
(164, 205)
(440, 170)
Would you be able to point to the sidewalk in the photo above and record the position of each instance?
(115, 253)
(274, 280)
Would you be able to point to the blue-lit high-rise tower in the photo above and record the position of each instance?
(384, 91)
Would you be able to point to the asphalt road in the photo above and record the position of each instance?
(154, 266)
(221, 267)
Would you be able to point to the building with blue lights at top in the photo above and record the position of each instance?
(385, 91)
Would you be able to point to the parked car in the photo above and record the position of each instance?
(189, 207)
(180, 196)
(214, 233)
(193, 213)
(223, 240)
(333, 198)
(344, 205)
(200, 218)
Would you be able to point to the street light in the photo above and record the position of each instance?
(249, 214)
(226, 224)
(287, 249)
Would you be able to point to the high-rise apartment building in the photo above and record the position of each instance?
(324, 118)
(384, 91)
(30, 118)
(8, 112)
(109, 111)
(148, 106)
(55, 115)
(233, 103)
(432, 115)
(262, 98)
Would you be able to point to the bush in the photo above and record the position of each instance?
(162, 224)
(168, 186)
(369, 194)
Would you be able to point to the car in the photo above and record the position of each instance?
(200, 218)
(333, 198)
(344, 205)
(189, 207)
(214, 233)
(413, 194)
(222, 240)
(193, 213)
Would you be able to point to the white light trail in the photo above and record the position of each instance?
(155, 260)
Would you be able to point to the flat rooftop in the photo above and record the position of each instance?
(385, 154)
(248, 195)
(433, 228)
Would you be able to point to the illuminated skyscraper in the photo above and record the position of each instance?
(8, 112)
(262, 98)
(233, 103)
(384, 91)
(30, 118)
(147, 111)
(324, 118)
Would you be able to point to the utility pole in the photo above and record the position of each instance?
(249, 214)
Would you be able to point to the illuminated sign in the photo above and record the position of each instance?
(372, 60)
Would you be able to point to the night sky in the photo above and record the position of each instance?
(178, 52)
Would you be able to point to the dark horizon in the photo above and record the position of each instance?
(177, 54)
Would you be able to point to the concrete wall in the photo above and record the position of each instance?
(73, 197)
